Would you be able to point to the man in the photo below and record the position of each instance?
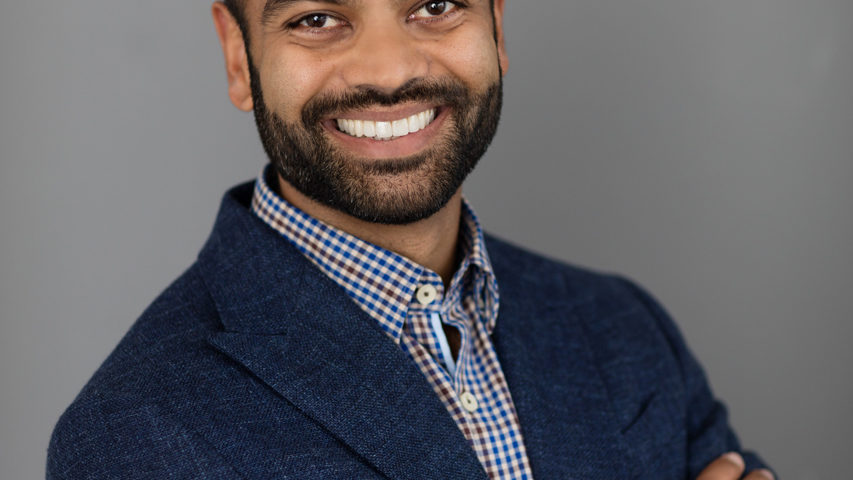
(348, 318)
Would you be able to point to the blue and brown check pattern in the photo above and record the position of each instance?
(384, 284)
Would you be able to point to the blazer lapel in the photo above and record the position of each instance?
(561, 399)
(299, 333)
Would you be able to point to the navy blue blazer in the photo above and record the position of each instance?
(255, 365)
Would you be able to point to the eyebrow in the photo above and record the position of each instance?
(271, 7)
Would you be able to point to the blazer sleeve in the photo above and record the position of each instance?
(111, 438)
(709, 433)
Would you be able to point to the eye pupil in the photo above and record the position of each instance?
(317, 21)
(436, 8)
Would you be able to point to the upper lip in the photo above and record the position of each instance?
(384, 114)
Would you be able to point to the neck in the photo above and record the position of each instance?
(430, 242)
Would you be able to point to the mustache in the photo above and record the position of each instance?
(439, 91)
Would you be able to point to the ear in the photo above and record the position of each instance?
(499, 35)
(236, 62)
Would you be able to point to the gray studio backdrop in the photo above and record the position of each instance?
(704, 148)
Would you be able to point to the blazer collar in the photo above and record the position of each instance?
(298, 332)
(565, 412)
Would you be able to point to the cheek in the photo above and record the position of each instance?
(473, 58)
(290, 79)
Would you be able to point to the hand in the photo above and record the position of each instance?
(730, 467)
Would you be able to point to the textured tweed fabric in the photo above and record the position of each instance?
(385, 285)
(255, 364)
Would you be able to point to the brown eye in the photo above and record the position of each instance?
(436, 8)
(315, 21)
(318, 21)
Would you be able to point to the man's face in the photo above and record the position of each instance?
(377, 108)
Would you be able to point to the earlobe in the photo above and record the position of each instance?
(234, 51)
(503, 59)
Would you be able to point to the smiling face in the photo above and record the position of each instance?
(376, 108)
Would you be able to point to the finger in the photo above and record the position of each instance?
(728, 467)
(760, 475)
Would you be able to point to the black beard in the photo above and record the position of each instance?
(389, 191)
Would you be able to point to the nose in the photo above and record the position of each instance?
(385, 57)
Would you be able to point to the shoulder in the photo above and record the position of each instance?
(650, 377)
(625, 328)
(559, 282)
(135, 396)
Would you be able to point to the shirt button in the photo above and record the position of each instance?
(469, 402)
(426, 294)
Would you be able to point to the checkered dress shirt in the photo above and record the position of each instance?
(410, 304)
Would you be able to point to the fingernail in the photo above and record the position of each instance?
(767, 474)
(735, 458)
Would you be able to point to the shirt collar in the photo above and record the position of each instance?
(381, 282)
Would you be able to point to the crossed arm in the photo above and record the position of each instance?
(730, 467)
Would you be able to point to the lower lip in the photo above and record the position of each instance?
(400, 147)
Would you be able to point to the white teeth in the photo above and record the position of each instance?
(383, 130)
(400, 127)
(369, 129)
(387, 130)
(414, 123)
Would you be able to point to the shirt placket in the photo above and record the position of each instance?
(388, 288)
(425, 321)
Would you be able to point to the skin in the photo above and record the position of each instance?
(382, 44)
(384, 47)
(730, 467)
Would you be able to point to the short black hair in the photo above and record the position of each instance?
(237, 9)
